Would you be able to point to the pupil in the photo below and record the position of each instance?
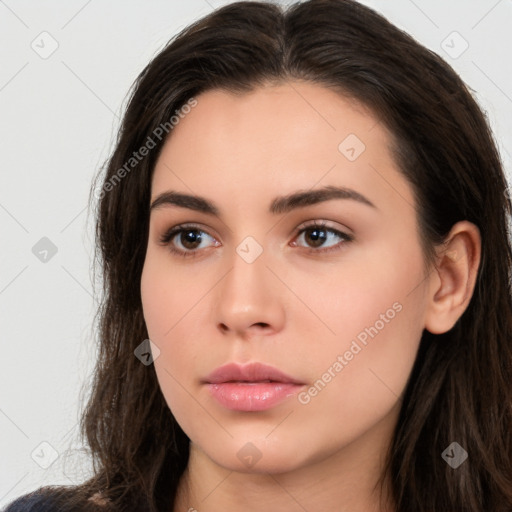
(316, 237)
(191, 237)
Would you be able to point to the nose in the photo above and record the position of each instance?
(250, 299)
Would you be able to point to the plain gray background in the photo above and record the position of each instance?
(59, 115)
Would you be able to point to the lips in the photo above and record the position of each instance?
(253, 372)
(253, 387)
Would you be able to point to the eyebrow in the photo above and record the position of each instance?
(282, 204)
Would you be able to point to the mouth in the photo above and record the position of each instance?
(252, 372)
(248, 381)
(254, 387)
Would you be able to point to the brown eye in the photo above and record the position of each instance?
(189, 238)
(316, 235)
(184, 240)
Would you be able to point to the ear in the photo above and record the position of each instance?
(452, 281)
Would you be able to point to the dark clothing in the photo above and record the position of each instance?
(32, 502)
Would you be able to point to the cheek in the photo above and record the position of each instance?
(358, 384)
(361, 367)
(170, 303)
(169, 296)
(367, 295)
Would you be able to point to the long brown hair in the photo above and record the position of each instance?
(460, 387)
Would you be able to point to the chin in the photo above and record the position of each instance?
(259, 456)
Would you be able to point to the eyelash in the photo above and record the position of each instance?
(170, 234)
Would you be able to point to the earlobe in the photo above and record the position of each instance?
(452, 282)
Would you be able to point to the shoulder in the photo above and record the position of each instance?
(35, 501)
(42, 500)
(45, 500)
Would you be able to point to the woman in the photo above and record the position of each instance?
(307, 216)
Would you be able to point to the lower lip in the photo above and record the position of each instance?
(252, 396)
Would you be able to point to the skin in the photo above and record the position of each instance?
(292, 308)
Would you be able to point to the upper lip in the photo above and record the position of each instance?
(252, 372)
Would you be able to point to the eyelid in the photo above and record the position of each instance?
(324, 224)
(170, 233)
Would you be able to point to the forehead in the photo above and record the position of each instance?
(274, 115)
(273, 139)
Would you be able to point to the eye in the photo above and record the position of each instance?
(318, 233)
(186, 240)
(190, 238)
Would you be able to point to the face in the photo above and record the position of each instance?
(325, 288)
